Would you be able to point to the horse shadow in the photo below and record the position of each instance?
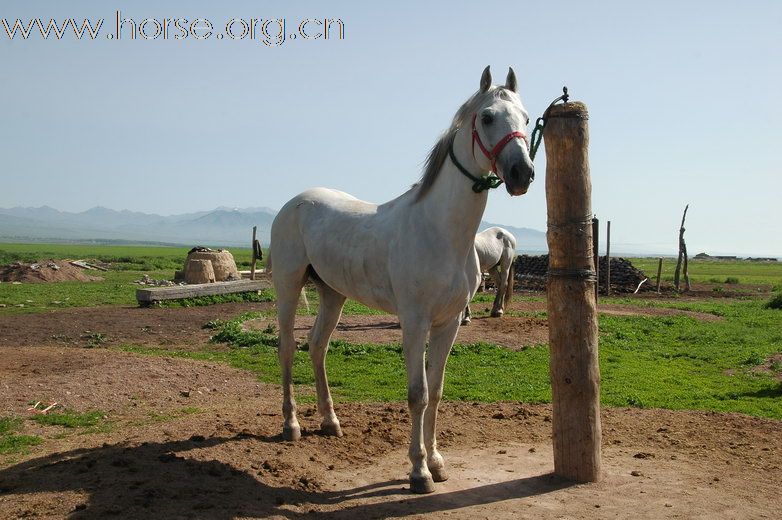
(151, 481)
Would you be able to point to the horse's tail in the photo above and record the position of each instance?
(509, 285)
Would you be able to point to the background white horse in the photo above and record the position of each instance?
(412, 256)
(496, 249)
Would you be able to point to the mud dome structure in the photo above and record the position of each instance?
(531, 274)
(204, 265)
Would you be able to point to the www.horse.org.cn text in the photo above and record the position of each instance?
(271, 32)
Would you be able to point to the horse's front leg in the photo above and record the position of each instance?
(440, 342)
(413, 344)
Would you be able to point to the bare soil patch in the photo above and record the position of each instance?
(45, 271)
(175, 327)
(771, 366)
(228, 461)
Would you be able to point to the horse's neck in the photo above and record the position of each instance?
(451, 205)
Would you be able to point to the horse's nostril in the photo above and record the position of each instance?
(514, 172)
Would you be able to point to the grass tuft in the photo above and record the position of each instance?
(12, 443)
(265, 295)
(70, 418)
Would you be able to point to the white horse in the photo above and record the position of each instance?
(496, 249)
(412, 256)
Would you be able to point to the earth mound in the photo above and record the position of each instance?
(44, 271)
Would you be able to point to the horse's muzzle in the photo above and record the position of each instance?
(518, 179)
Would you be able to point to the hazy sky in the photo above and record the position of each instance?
(683, 101)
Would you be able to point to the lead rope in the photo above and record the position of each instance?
(540, 124)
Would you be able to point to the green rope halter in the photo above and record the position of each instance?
(480, 184)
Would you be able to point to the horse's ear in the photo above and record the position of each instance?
(486, 79)
(510, 82)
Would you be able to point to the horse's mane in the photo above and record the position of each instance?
(439, 152)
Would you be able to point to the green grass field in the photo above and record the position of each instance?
(129, 263)
(710, 271)
(675, 362)
(130, 258)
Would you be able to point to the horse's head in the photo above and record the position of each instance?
(499, 137)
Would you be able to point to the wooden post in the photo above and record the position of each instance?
(252, 266)
(608, 259)
(572, 313)
(659, 273)
(596, 255)
(682, 254)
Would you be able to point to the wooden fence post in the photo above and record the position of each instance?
(596, 255)
(682, 255)
(252, 266)
(659, 273)
(572, 313)
(608, 259)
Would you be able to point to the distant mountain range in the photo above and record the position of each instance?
(219, 227)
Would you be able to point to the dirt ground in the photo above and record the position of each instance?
(192, 439)
(183, 327)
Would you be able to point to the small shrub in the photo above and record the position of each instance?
(731, 280)
(775, 302)
(95, 339)
(754, 359)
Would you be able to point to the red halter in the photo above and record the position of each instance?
(492, 155)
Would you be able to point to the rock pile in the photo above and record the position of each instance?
(531, 273)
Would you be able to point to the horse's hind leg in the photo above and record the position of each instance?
(440, 342)
(500, 276)
(328, 315)
(288, 286)
(466, 315)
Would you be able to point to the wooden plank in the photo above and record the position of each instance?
(177, 292)
(258, 273)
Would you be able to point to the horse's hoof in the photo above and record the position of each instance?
(439, 474)
(466, 321)
(496, 314)
(291, 433)
(421, 485)
(331, 429)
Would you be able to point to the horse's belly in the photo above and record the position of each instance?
(368, 286)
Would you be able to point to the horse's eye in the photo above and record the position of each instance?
(487, 119)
